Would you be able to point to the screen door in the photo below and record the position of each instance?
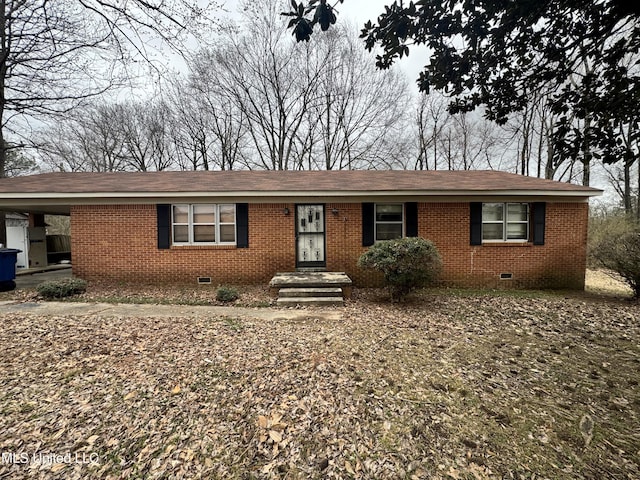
(310, 236)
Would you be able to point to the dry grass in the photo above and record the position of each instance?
(448, 386)
(604, 282)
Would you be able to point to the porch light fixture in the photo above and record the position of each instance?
(335, 211)
(285, 210)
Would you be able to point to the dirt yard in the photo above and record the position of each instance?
(452, 385)
(606, 283)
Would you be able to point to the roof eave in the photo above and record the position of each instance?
(299, 194)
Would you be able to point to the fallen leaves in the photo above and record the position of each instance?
(586, 429)
(271, 428)
(447, 386)
(275, 436)
(132, 394)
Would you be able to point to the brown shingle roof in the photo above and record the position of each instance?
(401, 181)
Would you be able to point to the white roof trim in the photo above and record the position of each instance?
(301, 194)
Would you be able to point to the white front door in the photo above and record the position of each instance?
(310, 236)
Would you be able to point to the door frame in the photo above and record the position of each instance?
(310, 264)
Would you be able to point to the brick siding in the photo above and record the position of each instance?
(119, 243)
(559, 263)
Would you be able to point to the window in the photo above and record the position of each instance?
(203, 224)
(389, 222)
(505, 221)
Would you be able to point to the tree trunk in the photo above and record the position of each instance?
(638, 196)
(4, 52)
(586, 153)
(626, 194)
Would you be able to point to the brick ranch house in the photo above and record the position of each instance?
(492, 228)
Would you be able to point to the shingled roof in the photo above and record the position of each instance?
(56, 193)
(284, 182)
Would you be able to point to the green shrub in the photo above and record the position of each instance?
(227, 294)
(621, 254)
(605, 223)
(61, 288)
(406, 263)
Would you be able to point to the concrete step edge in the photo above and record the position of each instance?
(311, 292)
(320, 301)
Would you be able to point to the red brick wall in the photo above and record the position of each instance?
(119, 243)
(344, 242)
(559, 263)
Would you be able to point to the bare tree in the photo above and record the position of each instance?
(259, 72)
(359, 112)
(213, 123)
(107, 137)
(56, 54)
(143, 127)
(530, 146)
(468, 142)
(320, 106)
(624, 176)
(528, 133)
(190, 130)
(273, 86)
(89, 139)
(431, 117)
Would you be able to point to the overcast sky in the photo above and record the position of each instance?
(359, 12)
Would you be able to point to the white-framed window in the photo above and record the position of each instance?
(505, 222)
(203, 224)
(389, 221)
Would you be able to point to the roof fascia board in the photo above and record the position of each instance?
(65, 203)
(307, 194)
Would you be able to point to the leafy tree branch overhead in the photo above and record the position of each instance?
(302, 24)
(582, 56)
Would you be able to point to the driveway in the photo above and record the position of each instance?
(172, 311)
(32, 280)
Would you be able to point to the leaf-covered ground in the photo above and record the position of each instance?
(459, 385)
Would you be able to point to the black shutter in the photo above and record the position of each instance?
(368, 224)
(164, 226)
(539, 213)
(411, 225)
(475, 215)
(242, 225)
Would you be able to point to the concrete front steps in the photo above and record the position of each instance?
(311, 288)
(319, 296)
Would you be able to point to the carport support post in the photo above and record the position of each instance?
(37, 240)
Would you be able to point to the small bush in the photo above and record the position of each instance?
(406, 263)
(227, 294)
(621, 254)
(605, 223)
(62, 288)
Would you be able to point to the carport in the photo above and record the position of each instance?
(32, 277)
(28, 232)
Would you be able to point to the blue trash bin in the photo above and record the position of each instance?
(8, 259)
